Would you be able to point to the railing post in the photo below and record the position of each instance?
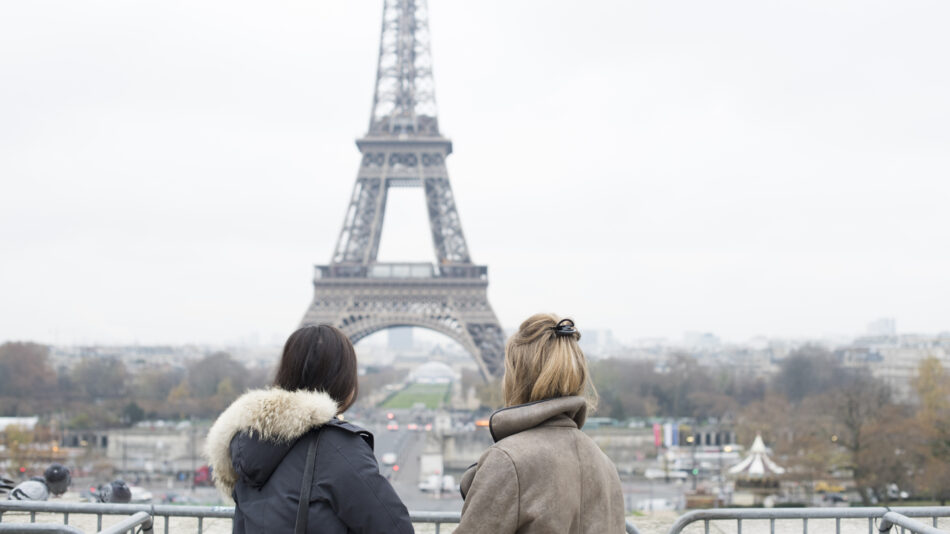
(884, 525)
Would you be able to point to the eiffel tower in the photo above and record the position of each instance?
(403, 148)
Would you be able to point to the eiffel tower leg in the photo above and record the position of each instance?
(359, 238)
(490, 342)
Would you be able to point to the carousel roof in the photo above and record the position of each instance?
(757, 463)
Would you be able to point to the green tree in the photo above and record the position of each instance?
(132, 413)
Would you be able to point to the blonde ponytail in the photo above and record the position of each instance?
(544, 361)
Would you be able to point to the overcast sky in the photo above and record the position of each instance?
(171, 170)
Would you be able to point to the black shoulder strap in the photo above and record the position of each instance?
(303, 507)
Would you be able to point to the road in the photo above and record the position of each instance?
(408, 446)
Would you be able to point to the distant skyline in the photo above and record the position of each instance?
(171, 171)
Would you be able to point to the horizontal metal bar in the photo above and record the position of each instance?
(194, 511)
(39, 528)
(740, 514)
(434, 517)
(922, 511)
(116, 509)
(170, 510)
(894, 518)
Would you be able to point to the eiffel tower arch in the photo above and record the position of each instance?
(403, 148)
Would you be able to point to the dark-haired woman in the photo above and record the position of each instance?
(288, 461)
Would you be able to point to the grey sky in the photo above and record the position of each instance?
(171, 170)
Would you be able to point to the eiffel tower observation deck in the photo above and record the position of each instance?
(404, 148)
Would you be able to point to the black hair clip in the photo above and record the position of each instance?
(564, 327)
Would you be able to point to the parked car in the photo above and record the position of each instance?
(203, 476)
(435, 483)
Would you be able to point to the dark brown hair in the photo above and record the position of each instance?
(320, 358)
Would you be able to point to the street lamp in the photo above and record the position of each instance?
(691, 440)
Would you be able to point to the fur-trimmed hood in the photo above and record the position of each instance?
(273, 415)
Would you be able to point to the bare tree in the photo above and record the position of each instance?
(101, 377)
(808, 371)
(25, 370)
(932, 386)
(206, 375)
(857, 409)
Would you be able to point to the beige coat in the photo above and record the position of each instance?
(542, 475)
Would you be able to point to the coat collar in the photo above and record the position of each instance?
(270, 414)
(569, 411)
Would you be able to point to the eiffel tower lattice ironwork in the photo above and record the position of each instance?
(403, 148)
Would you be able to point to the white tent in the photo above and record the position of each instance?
(757, 464)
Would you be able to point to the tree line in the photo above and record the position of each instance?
(101, 392)
(822, 419)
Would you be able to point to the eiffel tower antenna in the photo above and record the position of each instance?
(403, 148)
(404, 100)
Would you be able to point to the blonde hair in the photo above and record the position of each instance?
(540, 364)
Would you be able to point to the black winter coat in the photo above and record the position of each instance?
(270, 432)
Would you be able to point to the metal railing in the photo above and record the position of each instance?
(99, 510)
(142, 519)
(144, 515)
(885, 518)
(31, 528)
(879, 519)
(895, 519)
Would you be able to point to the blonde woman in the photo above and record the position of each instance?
(543, 474)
